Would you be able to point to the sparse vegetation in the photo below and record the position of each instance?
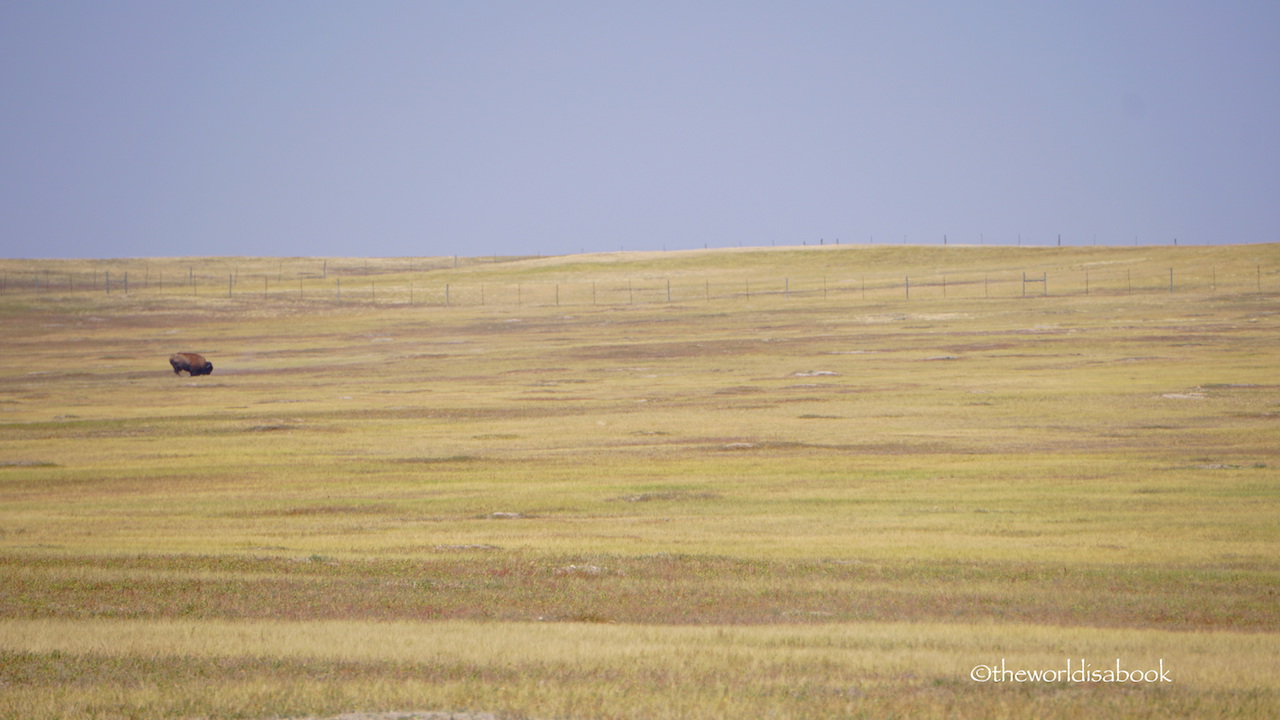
(561, 495)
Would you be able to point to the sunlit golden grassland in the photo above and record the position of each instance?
(805, 482)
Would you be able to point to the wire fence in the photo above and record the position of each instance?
(421, 288)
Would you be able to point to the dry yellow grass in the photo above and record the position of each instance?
(558, 670)
(786, 488)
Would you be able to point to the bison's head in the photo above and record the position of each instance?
(208, 368)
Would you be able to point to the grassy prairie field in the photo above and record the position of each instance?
(820, 482)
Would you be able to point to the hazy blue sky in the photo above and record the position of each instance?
(476, 128)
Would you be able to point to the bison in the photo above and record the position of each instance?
(194, 364)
